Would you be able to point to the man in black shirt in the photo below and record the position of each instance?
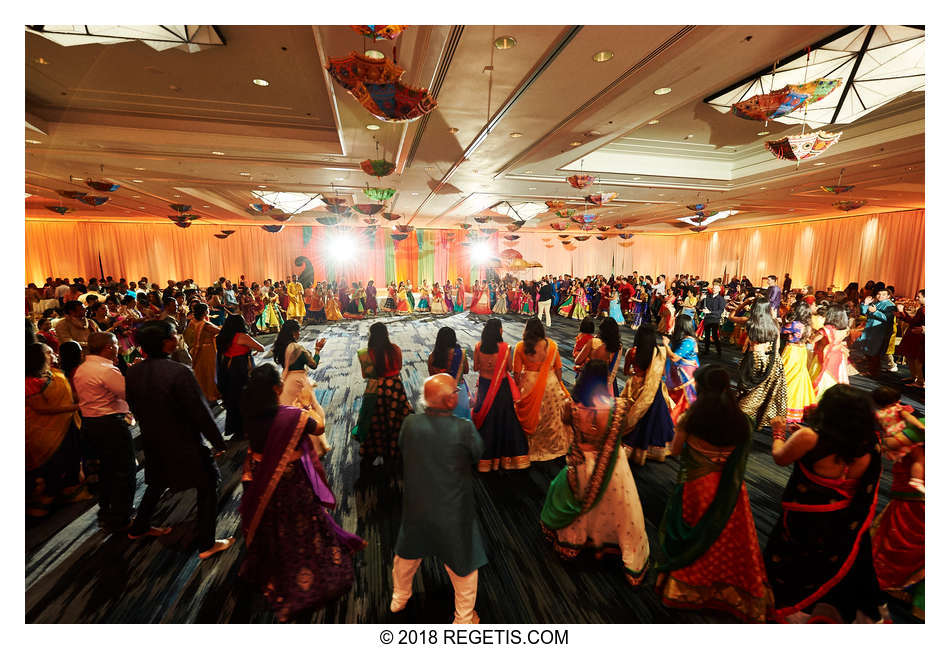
(544, 302)
(712, 309)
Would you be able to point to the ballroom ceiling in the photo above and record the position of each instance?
(511, 124)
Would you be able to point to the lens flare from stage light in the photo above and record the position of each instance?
(341, 247)
(481, 253)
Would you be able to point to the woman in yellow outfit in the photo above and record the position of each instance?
(296, 308)
(332, 306)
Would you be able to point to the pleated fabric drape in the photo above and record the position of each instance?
(821, 254)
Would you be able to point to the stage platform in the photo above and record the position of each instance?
(76, 573)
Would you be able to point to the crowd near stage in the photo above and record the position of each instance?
(76, 573)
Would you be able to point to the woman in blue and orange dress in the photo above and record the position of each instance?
(683, 354)
(799, 390)
(458, 298)
(707, 535)
(494, 411)
(819, 550)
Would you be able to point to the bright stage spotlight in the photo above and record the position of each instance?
(341, 247)
(481, 253)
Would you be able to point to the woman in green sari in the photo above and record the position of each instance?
(593, 502)
(385, 404)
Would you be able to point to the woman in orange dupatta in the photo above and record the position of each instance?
(494, 410)
(544, 402)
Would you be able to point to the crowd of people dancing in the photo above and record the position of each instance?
(104, 355)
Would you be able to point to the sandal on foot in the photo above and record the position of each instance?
(220, 545)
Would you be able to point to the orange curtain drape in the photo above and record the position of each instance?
(887, 247)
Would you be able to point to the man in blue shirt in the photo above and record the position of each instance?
(877, 331)
(774, 294)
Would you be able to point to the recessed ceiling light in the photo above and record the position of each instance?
(207, 206)
(262, 186)
(690, 136)
(636, 177)
(339, 179)
(875, 165)
(260, 82)
(660, 194)
(136, 196)
(428, 168)
(244, 173)
(217, 153)
(505, 42)
(177, 196)
(141, 207)
(529, 172)
(374, 54)
(33, 142)
(415, 193)
(372, 127)
(819, 164)
(40, 61)
(517, 134)
(762, 188)
(593, 133)
(137, 181)
(762, 133)
(602, 56)
(575, 143)
(662, 91)
(139, 168)
(174, 88)
(532, 188)
(653, 122)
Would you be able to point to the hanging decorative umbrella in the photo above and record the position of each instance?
(102, 185)
(368, 209)
(620, 226)
(566, 242)
(370, 221)
(555, 205)
(69, 193)
(389, 216)
(378, 168)
(228, 232)
(625, 235)
(565, 213)
(183, 224)
(221, 236)
(587, 227)
(179, 207)
(601, 237)
(584, 218)
(339, 210)
(603, 228)
(626, 244)
(512, 237)
(482, 219)
(328, 220)
(698, 207)
(564, 236)
(514, 227)
(280, 217)
(380, 32)
(489, 231)
(838, 188)
(273, 229)
(847, 206)
(549, 245)
(399, 237)
(802, 147)
(261, 208)
(379, 194)
(558, 226)
(699, 228)
(600, 198)
(336, 200)
(59, 209)
(582, 238)
(404, 229)
(762, 108)
(509, 255)
(375, 84)
(95, 201)
(580, 181)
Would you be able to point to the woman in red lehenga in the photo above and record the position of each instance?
(480, 302)
(707, 535)
(829, 364)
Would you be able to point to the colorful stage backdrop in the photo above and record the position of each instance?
(888, 247)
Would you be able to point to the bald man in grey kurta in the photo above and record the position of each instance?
(439, 451)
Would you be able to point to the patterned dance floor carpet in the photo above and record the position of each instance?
(76, 573)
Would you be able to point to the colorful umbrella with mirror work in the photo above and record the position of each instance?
(272, 228)
(102, 185)
(95, 201)
(380, 32)
(379, 194)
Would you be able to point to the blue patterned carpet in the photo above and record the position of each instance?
(76, 573)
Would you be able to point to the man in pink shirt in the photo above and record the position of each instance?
(101, 391)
